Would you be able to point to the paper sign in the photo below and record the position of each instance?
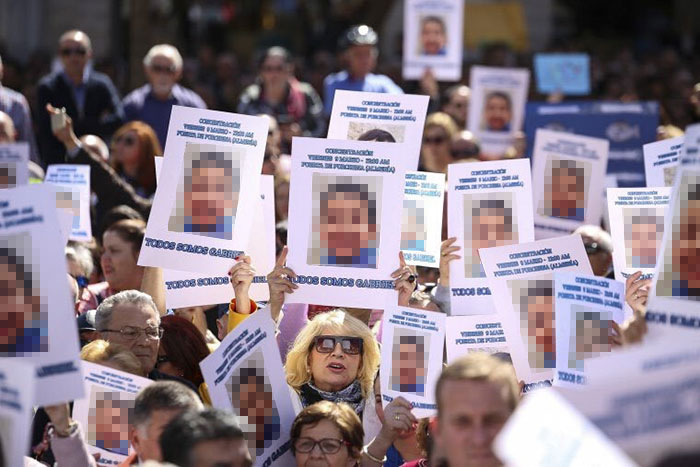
(14, 164)
(568, 74)
(245, 375)
(584, 307)
(661, 160)
(522, 282)
(104, 412)
(568, 172)
(421, 218)
(497, 106)
(17, 384)
(73, 195)
(184, 289)
(344, 221)
(489, 205)
(546, 431)
(468, 334)
(37, 314)
(433, 39)
(645, 399)
(203, 208)
(413, 342)
(65, 220)
(370, 116)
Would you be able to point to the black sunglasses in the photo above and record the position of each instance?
(436, 140)
(75, 51)
(350, 345)
(127, 140)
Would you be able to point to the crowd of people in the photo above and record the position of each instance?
(331, 356)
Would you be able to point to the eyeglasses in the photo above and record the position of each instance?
(127, 140)
(435, 140)
(73, 51)
(327, 445)
(132, 333)
(350, 345)
(165, 69)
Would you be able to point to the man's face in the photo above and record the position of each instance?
(540, 329)
(74, 53)
(567, 194)
(146, 439)
(210, 198)
(345, 228)
(497, 113)
(20, 308)
(592, 337)
(255, 402)
(221, 453)
(142, 317)
(457, 107)
(476, 412)
(361, 60)
(432, 37)
(686, 249)
(162, 75)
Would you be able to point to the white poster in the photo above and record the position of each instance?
(489, 205)
(245, 375)
(14, 164)
(661, 160)
(17, 385)
(568, 172)
(433, 39)
(522, 283)
(105, 410)
(421, 218)
(497, 106)
(584, 308)
(36, 312)
(345, 221)
(468, 334)
(389, 118)
(413, 343)
(184, 289)
(73, 195)
(203, 208)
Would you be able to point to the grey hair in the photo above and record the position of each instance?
(128, 297)
(81, 255)
(164, 50)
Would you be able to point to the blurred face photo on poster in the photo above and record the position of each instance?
(489, 221)
(644, 229)
(251, 395)
(207, 196)
(69, 200)
(409, 369)
(413, 229)
(497, 112)
(680, 275)
(8, 175)
(345, 221)
(590, 330)
(108, 420)
(23, 311)
(565, 188)
(532, 299)
(433, 36)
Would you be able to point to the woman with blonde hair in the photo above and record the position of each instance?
(440, 130)
(112, 355)
(134, 147)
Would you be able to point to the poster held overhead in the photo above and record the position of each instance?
(421, 218)
(72, 184)
(468, 334)
(568, 74)
(661, 159)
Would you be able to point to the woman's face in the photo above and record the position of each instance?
(335, 370)
(126, 149)
(436, 147)
(316, 458)
(273, 71)
(166, 366)
(119, 263)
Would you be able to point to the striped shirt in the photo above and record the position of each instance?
(15, 105)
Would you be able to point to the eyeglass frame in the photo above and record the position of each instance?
(336, 340)
(142, 331)
(318, 443)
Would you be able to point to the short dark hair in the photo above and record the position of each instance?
(434, 19)
(188, 429)
(363, 192)
(163, 395)
(340, 414)
(377, 135)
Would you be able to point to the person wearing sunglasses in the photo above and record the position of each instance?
(438, 134)
(90, 98)
(134, 148)
(327, 434)
(151, 103)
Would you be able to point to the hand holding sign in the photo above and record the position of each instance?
(446, 255)
(279, 283)
(637, 292)
(398, 420)
(405, 282)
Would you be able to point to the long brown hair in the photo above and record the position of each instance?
(149, 147)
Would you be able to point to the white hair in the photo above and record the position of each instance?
(81, 255)
(163, 50)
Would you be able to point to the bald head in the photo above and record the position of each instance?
(7, 129)
(75, 50)
(75, 35)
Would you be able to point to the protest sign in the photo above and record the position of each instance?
(184, 289)
(433, 39)
(497, 106)
(584, 307)
(645, 399)
(203, 208)
(661, 160)
(636, 227)
(245, 375)
(65, 220)
(413, 342)
(547, 431)
(14, 164)
(72, 184)
(626, 125)
(421, 218)
(105, 411)
(467, 334)
(17, 385)
(568, 74)
(344, 222)
(371, 116)
(489, 205)
(568, 172)
(37, 313)
(521, 282)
